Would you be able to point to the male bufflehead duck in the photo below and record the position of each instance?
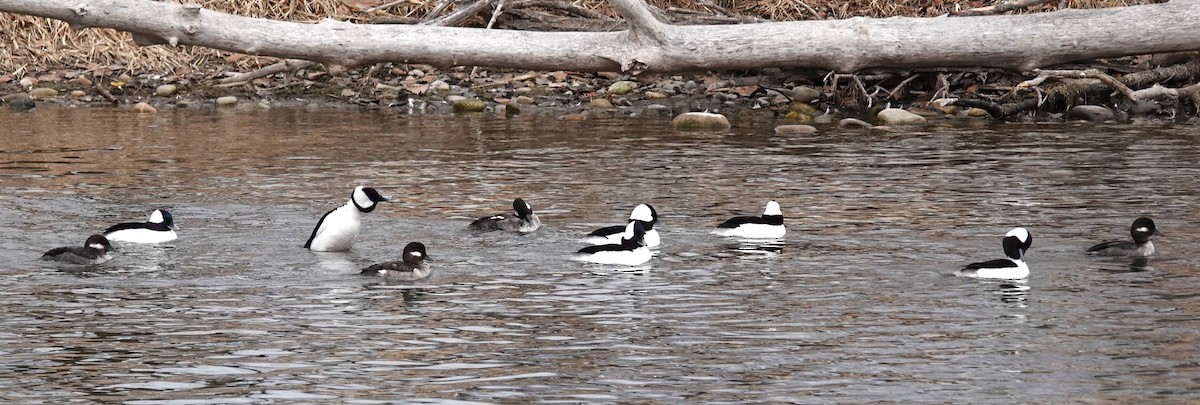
(94, 251)
(1015, 243)
(336, 230)
(411, 267)
(632, 250)
(160, 228)
(768, 226)
(1141, 246)
(522, 220)
(611, 235)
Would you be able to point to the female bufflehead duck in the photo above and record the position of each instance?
(336, 230)
(768, 226)
(522, 220)
(632, 250)
(611, 235)
(160, 228)
(1015, 243)
(411, 267)
(94, 251)
(1141, 230)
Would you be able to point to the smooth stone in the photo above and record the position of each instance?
(795, 129)
(700, 121)
(525, 100)
(263, 105)
(823, 119)
(227, 101)
(439, 86)
(83, 81)
(574, 117)
(43, 92)
(469, 105)
(976, 112)
(27, 82)
(511, 109)
(124, 78)
(600, 103)
(654, 95)
(1093, 113)
(520, 91)
(143, 107)
(897, 116)
(853, 123)
(804, 94)
(19, 102)
(942, 104)
(622, 87)
(454, 98)
(166, 90)
(78, 93)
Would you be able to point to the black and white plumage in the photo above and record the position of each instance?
(159, 228)
(94, 251)
(612, 234)
(1141, 246)
(521, 220)
(336, 230)
(411, 267)
(768, 226)
(1013, 267)
(632, 250)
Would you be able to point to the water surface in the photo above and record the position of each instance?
(859, 304)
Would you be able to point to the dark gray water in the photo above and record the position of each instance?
(859, 305)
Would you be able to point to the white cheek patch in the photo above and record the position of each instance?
(1142, 229)
(156, 217)
(417, 254)
(96, 246)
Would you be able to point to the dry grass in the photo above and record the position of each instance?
(33, 45)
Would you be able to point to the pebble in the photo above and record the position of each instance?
(43, 92)
(853, 123)
(1093, 113)
(600, 103)
(27, 82)
(469, 105)
(897, 116)
(19, 102)
(78, 93)
(166, 90)
(653, 95)
(804, 94)
(976, 112)
(700, 121)
(227, 101)
(622, 87)
(796, 129)
(454, 98)
(83, 81)
(525, 100)
(143, 107)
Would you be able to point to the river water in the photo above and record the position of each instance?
(859, 304)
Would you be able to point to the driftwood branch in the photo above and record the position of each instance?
(1018, 42)
(1003, 7)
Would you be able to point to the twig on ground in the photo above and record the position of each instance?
(460, 15)
(1001, 8)
(1080, 74)
(284, 66)
(104, 92)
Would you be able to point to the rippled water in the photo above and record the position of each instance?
(859, 305)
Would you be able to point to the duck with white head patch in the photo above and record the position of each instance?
(94, 251)
(768, 226)
(1141, 246)
(158, 229)
(1013, 267)
(610, 235)
(522, 220)
(411, 267)
(336, 230)
(632, 250)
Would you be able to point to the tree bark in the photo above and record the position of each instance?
(1019, 42)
